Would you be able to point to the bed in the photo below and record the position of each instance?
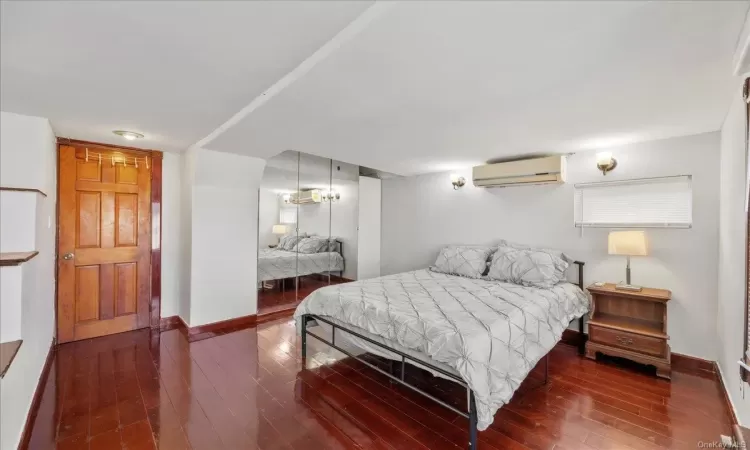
(277, 264)
(486, 335)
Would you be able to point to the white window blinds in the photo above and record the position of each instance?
(649, 202)
(288, 215)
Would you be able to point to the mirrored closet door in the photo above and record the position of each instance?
(277, 232)
(308, 214)
(316, 248)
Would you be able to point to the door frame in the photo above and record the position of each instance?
(156, 211)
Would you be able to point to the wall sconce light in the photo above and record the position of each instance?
(331, 196)
(605, 162)
(457, 181)
(287, 198)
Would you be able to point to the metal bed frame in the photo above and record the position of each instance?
(471, 414)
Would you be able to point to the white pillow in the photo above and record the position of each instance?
(527, 267)
(465, 261)
(558, 253)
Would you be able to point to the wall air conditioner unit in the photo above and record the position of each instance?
(550, 169)
(304, 197)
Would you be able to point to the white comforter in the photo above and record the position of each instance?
(491, 333)
(275, 264)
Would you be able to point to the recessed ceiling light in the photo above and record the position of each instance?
(129, 135)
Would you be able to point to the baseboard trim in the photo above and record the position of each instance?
(223, 325)
(280, 314)
(741, 436)
(37, 398)
(725, 391)
(693, 365)
(341, 279)
(209, 330)
(171, 323)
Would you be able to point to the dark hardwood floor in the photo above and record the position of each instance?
(274, 300)
(248, 390)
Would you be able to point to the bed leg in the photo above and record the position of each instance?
(303, 335)
(582, 335)
(472, 421)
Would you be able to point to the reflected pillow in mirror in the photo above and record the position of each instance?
(289, 241)
(311, 245)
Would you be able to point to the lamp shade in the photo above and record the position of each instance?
(604, 158)
(279, 229)
(630, 243)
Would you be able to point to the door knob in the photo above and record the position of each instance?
(68, 256)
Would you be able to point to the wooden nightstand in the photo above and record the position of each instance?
(630, 325)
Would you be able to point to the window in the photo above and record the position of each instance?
(648, 202)
(288, 215)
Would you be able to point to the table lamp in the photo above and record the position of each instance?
(628, 243)
(279, 230)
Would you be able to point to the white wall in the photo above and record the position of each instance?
(11, 293)
(171, 235)
(224, 221)
(28, 158)
(23, 142)
(18, 210)
(345, 213)
(369, 226)
(731, 268)
(314, 218)
(423, 213)
(268, 216)
(186, 232)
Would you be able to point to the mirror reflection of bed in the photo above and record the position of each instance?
(318, 225)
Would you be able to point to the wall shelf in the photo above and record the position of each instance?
(16, 258)
(8, 351)
(20, 189)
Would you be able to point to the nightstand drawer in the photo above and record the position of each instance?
(630, 341)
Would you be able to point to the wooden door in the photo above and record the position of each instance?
(104, 245)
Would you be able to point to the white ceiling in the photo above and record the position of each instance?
(289, 171)
(420, 87)
(171, 70)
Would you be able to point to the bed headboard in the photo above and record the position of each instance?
(580, 265)
(340, 247)
(340, 251)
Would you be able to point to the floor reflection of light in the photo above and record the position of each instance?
(282, 351)
(314, 363)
